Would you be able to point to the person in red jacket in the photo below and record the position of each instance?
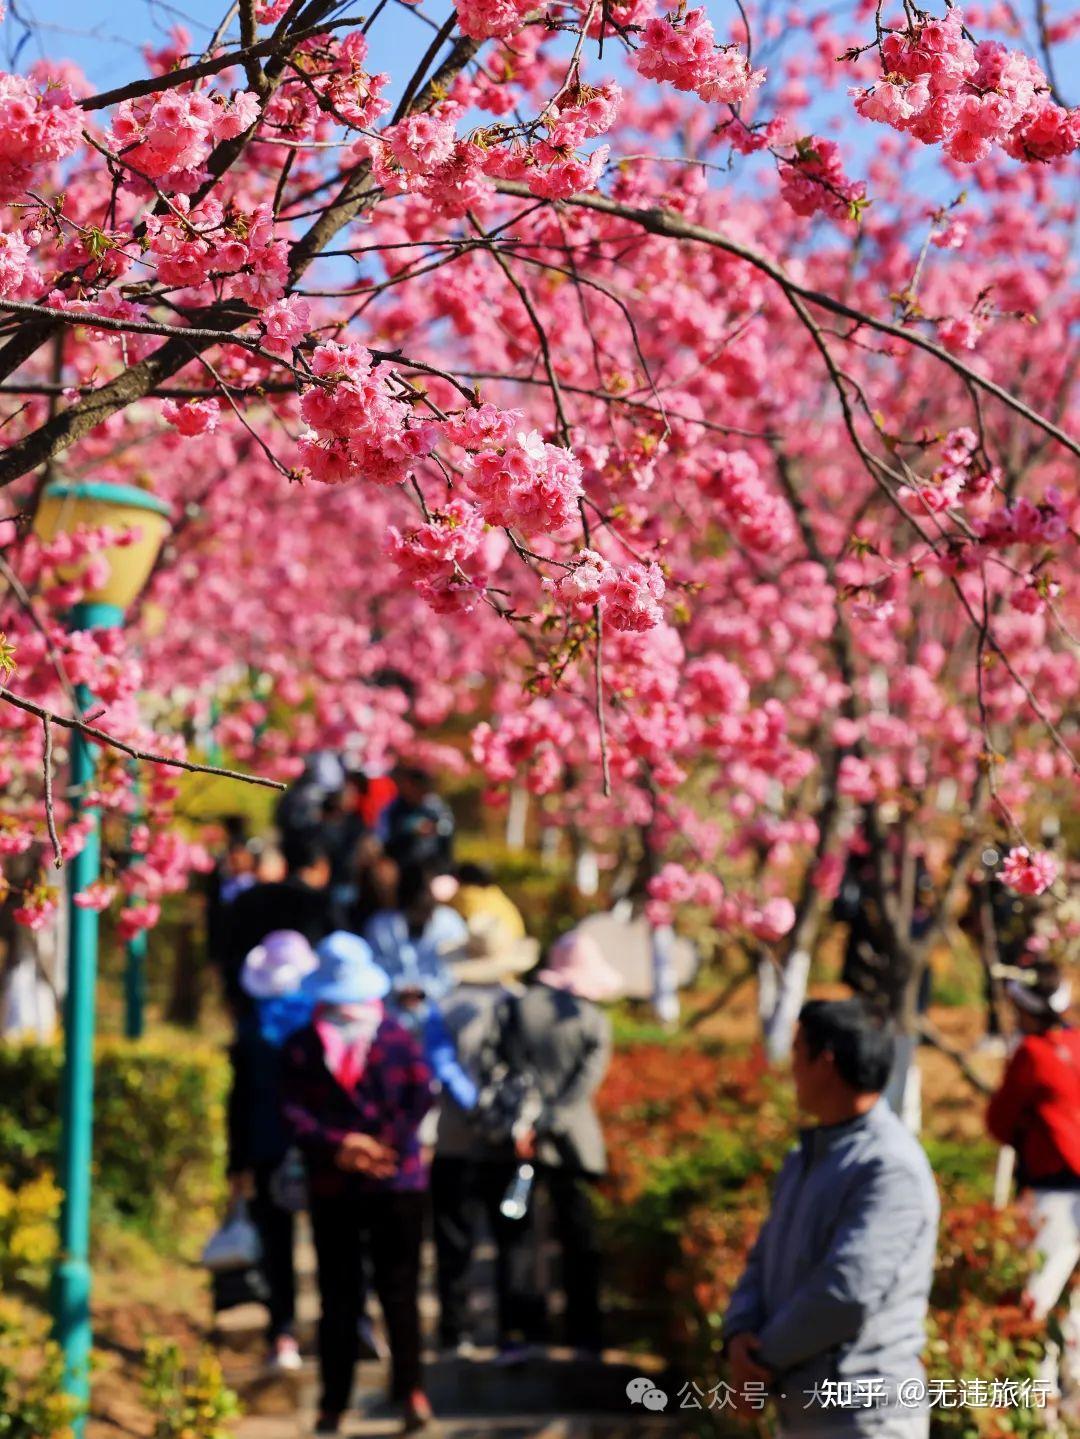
(1036, 1110)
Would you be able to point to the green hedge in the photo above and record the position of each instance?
(159, 1130)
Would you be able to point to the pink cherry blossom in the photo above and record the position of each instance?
(1028, 872)
(192, 417)
(528, 483)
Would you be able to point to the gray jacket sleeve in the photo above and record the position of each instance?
(584, 1079)
(879, 1223)
(746, 1307)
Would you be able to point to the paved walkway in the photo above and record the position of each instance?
(554, 1396)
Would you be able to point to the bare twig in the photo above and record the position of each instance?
(698, 1018)
(92, 732)
(153, 84)
(931, 1035)
(50, 810)
(601, 721)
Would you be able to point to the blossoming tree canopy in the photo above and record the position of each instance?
(687, 396)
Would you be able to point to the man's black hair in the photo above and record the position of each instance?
(1044, 980)
(236, 829)
(415, 899)
(475, 874)
(303, 848)
(862, 1047)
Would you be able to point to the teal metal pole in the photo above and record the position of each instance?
(71, 1278)
(71, 1281)
(135, 986)
(135, 959)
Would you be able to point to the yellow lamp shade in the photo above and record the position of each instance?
(90, 504)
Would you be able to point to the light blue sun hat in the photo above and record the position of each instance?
(347, 973)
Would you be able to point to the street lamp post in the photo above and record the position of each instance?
(65, 507)
(134, 950)
(135, 986)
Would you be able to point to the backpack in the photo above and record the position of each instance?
(506, 1096)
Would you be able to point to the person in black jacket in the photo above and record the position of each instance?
(300, 902)
(418, 826)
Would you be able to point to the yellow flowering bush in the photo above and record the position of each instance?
(187, 1402)
(159, 1129)
(31, 1404)
(27, 1228)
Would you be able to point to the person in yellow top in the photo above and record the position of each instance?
(478, 894)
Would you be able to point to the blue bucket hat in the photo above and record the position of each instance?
(347, 974)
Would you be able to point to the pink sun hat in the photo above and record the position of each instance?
(576, 963)
(278, 965)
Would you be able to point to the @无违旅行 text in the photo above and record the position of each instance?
(969, 1393)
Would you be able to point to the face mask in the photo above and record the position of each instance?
(412, 1013)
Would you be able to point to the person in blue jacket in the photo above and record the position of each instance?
(271, 979)
(413, 943)
(413, 936)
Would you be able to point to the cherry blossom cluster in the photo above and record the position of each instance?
(553, 167)
(239, 253)
(527, 483)
(628, 597)
(358, 430)
(813, 182)
(944, 89)
(682, 51)
(39, 124)
(18, 274)
(491, 19)
(960, 477)
(535, 740)
(759, 519)
(550, 171)
(192, 417)
(421, 155)
(674, 887)
(450, 558)
(168, 138)
(1025, 523)
(335, 82)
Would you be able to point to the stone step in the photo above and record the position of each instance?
(460, 1386)
(545, 1387)
(555, 1394)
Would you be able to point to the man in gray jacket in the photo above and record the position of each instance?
(830, 1313)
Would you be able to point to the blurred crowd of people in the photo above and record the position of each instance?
(396, 1075)
(406, 1063)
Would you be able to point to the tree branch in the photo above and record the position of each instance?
(48, 716)
(671, 226)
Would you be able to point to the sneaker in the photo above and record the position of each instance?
(286, 1358)
(458, 1349)
(328, 1424)
(419, 1415)
(372, 1344)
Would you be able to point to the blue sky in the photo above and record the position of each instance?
(105, 37)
